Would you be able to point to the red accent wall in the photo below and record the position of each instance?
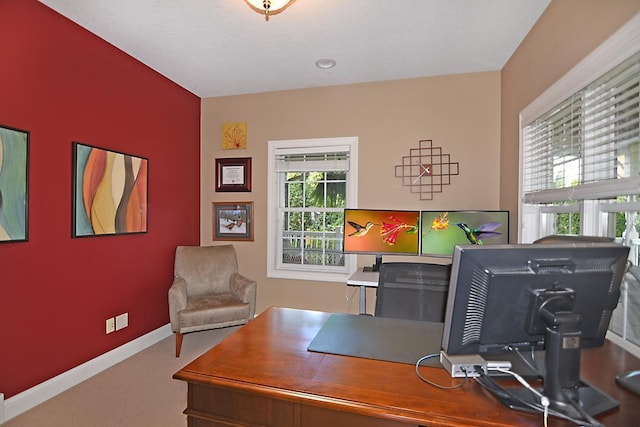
(64, 84)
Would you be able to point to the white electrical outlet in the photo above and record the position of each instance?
(122, 321)
(111, 325)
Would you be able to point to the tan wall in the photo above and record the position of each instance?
(567, 32)
(460, 113)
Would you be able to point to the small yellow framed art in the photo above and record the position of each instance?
(234, 136)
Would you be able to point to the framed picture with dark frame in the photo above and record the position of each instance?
(109, 192)
(233, 174)
(233, 221)
(14, 185)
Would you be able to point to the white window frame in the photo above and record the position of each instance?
(594, 213)
(620, 46)
(275, 267)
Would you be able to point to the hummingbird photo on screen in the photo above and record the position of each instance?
(361, 230)
(475, 235)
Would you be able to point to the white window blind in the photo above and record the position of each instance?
(325, 159)
(588, 146)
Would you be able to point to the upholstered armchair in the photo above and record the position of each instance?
(208, 292)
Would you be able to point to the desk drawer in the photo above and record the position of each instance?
(216, 407)
(210, 406)
(320, 417)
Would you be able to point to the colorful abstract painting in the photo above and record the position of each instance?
(110, 192)
(14, 155)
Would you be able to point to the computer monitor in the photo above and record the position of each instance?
(381, 232)
(558, 298)
(441, 231)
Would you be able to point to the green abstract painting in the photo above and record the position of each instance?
(14, 155)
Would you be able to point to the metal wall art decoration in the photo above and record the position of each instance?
(426, 169)
(109, 192)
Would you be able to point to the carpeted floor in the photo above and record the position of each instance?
(138, 392)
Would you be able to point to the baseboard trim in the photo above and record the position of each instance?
(36, 395)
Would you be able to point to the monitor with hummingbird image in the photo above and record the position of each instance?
(441, 231)
(381, 232)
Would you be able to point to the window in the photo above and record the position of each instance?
(590, 143)
(580, 171)
(311, 181)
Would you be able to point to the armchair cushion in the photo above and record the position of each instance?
(213, 309)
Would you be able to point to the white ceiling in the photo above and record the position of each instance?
(222, 47)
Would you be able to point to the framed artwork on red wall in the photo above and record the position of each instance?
(14, 188)
(109, 192)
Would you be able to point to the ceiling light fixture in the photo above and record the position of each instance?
(269, 7)
(325, 63)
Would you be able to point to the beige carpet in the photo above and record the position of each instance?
(138, 392)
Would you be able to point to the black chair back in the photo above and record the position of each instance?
(572, 238)
(413, 291)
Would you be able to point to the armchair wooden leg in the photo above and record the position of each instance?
(178, 343)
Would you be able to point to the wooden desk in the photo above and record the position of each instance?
(364, 279)
(263, 375)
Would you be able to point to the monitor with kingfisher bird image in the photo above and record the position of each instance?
(381, 232)
(441, 231)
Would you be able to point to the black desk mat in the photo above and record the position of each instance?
(380, 338)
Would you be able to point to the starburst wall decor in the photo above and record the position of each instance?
(426, 169)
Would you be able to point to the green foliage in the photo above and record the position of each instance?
(568, 223)
(315, 190)
(621, 223)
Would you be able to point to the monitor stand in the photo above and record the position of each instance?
(375, 267)
(551, 310)
(590, 399)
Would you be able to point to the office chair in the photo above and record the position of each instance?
(413, 291)
(572, 238)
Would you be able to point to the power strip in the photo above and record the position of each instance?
(463, 365)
